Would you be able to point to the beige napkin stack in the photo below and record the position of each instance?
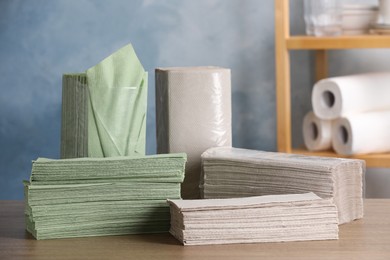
(273, 218)
(231, 172)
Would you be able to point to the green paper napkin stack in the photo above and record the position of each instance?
(74, 132)
(104, 109)
(102, 196)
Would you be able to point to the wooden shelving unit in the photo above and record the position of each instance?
(283, 44)
(339, 42)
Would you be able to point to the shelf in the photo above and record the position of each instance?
(284, 43)
(372, 160)
(337, 42)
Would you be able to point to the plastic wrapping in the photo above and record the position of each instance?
(342, 96)
(114, 119)
(193, 113)
(317, 133)
(362, 133)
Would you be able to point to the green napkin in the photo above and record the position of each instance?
(74, 125)
(117, 106)
(78, 193)
(162, 168)
(104, 109)
(102, 196)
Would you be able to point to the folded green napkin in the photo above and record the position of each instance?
(162, 168)
(117, 108)
(74, 126)
(102, 196)
(109, 118)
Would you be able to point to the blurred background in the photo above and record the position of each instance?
(42, 39)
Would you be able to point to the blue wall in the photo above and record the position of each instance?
(41, 39)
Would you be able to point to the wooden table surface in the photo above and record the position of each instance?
(368, 238)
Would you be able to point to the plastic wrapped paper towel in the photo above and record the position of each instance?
(193, 113)
(104, 110)
(362, 133)
(341, 96)
(317, 133)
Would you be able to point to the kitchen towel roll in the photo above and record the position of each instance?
(341, 96)
(362, 133)
(316, 132)
(193, 113)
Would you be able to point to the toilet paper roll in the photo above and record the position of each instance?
(362, 133)
(341, 96)
(317, 133)
(193, 113)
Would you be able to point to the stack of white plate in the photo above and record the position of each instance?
(380, 29)
(382, 25)
(358, 18)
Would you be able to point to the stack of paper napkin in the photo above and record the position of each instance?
(102, 196)
(104, 109)
(273, 218)
(232, 172)
(74, 130)
(193, 113)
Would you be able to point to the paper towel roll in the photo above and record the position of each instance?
(362, 133)
(316, 132)
(193, 113)
(341, 96)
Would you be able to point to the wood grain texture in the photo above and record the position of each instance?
(283, 81)
(338, 42)
(381, 160)
(368, 238)
(321, 64)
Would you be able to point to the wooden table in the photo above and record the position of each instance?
(368, 238)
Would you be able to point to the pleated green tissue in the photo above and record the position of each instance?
(109, 117)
